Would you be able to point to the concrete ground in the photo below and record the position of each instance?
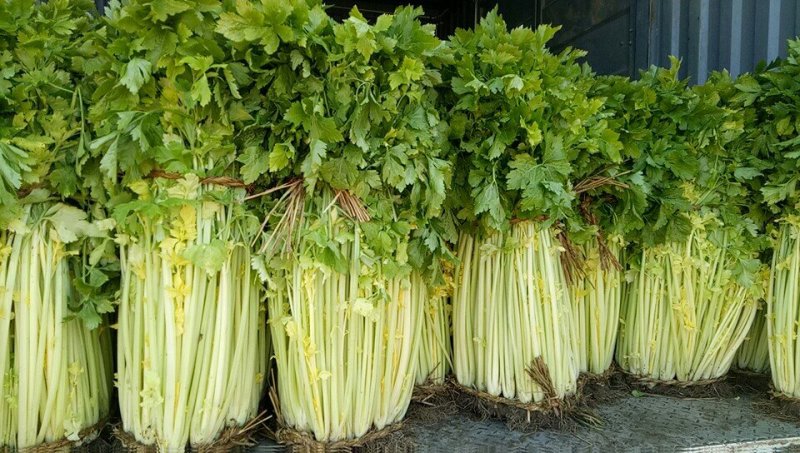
(630, 421)
(634, 421)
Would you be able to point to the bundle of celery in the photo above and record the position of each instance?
(353, 160)
(596, 299)
(782, 309)
(770, 98)
(520, 118)
(686, 314)
(753, 354)
(56, 371)
(192, 348)
(54, 358)
(695, 273)
(191, 344)
(434, 360)
(346, 332)
(607, 189)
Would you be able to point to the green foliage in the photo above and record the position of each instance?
(688, 165)
(770, 99)
(44, 137)
(523, 126)
(165, 96)
(427, 136)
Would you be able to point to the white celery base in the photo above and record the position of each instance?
(56, 373)
(684, 316)
(192, 345)
(434, 351)
(783, 311)
(346, 357)
(511, 305)
(753, 354)
(597, 298)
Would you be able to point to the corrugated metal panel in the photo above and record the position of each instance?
(720, 34)
(624, 36)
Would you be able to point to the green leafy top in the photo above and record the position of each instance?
(523, 126)
(172, 104)
(170, 111)
(352, 109)
(42, 129)
(690, 172)
(165, 98)
(771, 100)
(613, 196)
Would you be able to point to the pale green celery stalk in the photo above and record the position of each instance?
(9, 258)
(434, 360)
(684, 316)
(346, 358)
(511, 305)
(753, 355)
(56, 373)
(192, 348)
(597, 297)
(783, 315)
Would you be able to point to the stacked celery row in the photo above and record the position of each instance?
(522, 128)
(696, 277)
(769, 99)
(55, 360)
(253, 179)
(192, 347)
(350, 138)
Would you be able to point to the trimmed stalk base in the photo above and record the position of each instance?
(707, 388)
(782, 406)
(303, 441)
(548, 414)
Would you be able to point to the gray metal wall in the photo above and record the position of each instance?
(715, 34)
(625, 36)
(606, 29)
